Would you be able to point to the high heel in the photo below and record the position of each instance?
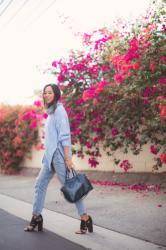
(36, 221)
(86, 225)
(89, 224)
(83, 228)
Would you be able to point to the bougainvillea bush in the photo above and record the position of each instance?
(18, 132)
(115, 90)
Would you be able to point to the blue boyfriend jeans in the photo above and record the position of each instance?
(43, 179)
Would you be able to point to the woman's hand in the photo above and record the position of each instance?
(69, 163)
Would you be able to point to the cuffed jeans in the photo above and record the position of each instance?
(43, 179)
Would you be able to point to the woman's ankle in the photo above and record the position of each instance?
(35, 215)
(84, 217)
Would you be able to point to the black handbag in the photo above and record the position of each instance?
(77, 187)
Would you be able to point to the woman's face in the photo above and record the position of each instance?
(48, 95)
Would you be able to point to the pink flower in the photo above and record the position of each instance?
(38, 103)
(54, 64)
(33, 114)
(153, 150)
(88, 145)
(17, 140)
(99, 43)
(164, 27)
(100, 87)
(152, 66)
(127, 132)
(105, 68)
(87, 38)
(97, 130)
(95, 139)
(79, 101)
(162, 105)
(85, 96)
(149, 91)
(162, 80)
(163, 113)
(19, 153)
(133, 51)
(94, 69)
(89, 93)
(76, 132)
(145, 101)
(160, 98)
(45, 115)
(79, 116)
(26, 116)
(79, 67)
(33, 124)
(114, 132)
(60, 78)
(93, 162)
(163, 158)
(29, 115)
(94, 90)
(126, 165)
(134, 42)
(163, 58)
(118, 78)
(136, 65)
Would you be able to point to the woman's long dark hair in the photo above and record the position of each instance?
(57, 95)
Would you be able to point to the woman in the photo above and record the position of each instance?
(57, 157)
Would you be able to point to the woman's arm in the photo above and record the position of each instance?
(63, 127)
(68, 159)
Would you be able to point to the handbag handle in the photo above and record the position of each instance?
(68, 171)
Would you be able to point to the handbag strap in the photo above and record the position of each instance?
(68, 172)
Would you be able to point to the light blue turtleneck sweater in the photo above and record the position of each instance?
(57, 133)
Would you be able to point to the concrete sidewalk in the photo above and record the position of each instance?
(121, 215)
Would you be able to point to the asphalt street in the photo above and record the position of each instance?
(13, 237)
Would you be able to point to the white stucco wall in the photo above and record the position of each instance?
(141, 163)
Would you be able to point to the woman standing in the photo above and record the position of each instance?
(57, 157)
